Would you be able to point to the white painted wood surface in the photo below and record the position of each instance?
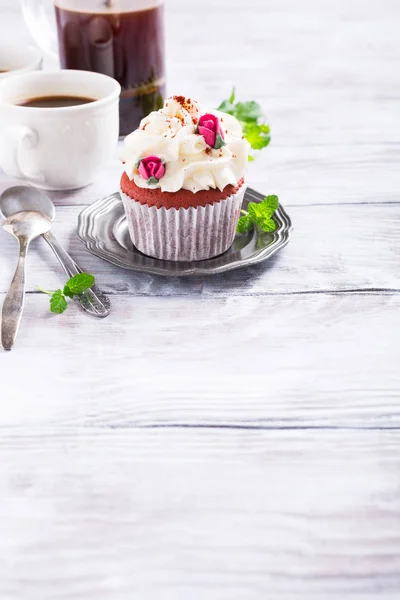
(234, 437)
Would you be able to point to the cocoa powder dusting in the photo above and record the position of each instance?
(185, 103)
(180, 99)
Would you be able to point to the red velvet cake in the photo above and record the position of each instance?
(180, 199)
(183, 183)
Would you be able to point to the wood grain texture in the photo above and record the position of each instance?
(200, 514)
(234, 437)
(274, 361)
(351, 248)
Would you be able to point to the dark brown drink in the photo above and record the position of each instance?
(55, 101)
(111, 38)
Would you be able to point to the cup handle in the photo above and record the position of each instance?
(37, 16)
(13, 140)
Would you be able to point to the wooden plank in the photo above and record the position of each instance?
(94, 503)
(274, 361)
(328, 174)
(199, 514)
(320, 73)
(333, 249)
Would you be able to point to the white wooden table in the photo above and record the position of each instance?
(233, 437)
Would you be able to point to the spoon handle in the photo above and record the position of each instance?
(93, 301)
(13, 305)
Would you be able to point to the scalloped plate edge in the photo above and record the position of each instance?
(88, 215)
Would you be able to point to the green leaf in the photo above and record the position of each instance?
(259, 214)
(78, 284)
(250, 115)
(58, 303)
(267, 224)
(219, 142)
(152, 180)
(257, 135)
(270, 203)
(245, 223)
(253, 210)
(67, 292)
(248, 112)
(251, 158)
(226, 107)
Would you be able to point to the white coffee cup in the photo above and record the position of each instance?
(18, 59)
(58, 148)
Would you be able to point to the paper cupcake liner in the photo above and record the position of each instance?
(184, 234)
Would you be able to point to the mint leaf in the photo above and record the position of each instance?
(245, 223)
(75, 286)
(226, 107)
(253, 210)
(259, 214)
(267, 224)
(250, 116)
(270, 203)
(257, 135)
(248, 112)
(58, 303)
(67, 292)
(78, 284)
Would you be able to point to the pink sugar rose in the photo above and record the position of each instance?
(151, 168)
(210, 128)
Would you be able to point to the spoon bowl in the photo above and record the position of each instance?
(21, 198)
(28, 224)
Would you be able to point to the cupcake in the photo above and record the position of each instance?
(183, 183)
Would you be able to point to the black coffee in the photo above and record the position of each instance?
(127, 45)
(55, 101)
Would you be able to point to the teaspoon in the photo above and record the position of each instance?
(25, 226)
(24, 198)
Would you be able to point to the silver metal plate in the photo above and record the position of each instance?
(102, 227)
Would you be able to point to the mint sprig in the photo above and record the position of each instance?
(78, 284)
(259, 215)
(58, 303)
(74, 286)
(250, 116)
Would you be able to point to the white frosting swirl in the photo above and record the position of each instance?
(170, 134)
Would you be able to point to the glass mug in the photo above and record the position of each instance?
(120, 38)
